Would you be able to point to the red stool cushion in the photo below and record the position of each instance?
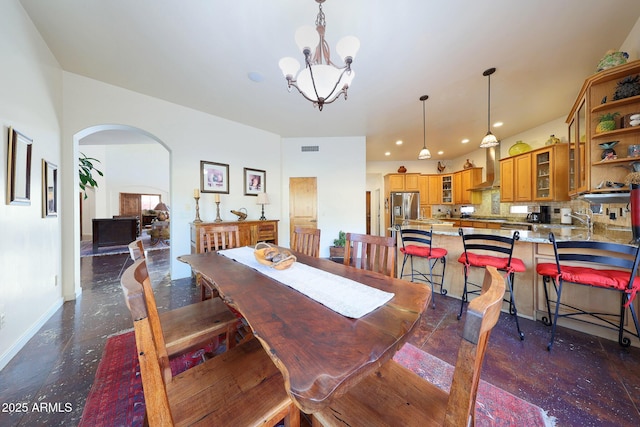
(424, 251)
(613, 279)
(476, 260)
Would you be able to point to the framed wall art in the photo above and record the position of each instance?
(255, 181)
(19, 168)
(49, 189)
(214, 177)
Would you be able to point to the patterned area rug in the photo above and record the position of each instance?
(116, 397)
(494, 406)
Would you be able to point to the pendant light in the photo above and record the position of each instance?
(424, 153)
(490, 139)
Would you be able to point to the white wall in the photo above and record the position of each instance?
(31, 102)
(632, 44)
(340, 167)
(190, 136)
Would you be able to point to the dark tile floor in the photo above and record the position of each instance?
(584, 381)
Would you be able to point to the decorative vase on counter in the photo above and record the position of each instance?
(402, 169)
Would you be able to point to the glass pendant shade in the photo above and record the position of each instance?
(489, 140)
(424, 154)
(347, 47)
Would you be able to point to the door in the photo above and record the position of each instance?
(368, 210)
(303, 203)
(130, 204)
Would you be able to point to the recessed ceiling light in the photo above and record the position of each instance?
(464, 141)
(399, 142)
(387, 153)
(441, 152)
(255, 76)
(497, 124)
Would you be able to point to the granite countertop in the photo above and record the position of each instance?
(541, 233)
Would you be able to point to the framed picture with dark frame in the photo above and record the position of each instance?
(214, 177)
(19, 168)
(255, 181)
(49, 189)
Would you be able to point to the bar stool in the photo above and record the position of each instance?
(418, 243)
(482, 250)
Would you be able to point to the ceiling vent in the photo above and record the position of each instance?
(306, 148)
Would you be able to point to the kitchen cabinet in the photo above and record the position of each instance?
(423, 185)
(447, 189)
(507, 190)
(463, 181)
(550, 173)
(435, 189)
(522, 178)
(590, 172)
(538, 175)
(402, 182)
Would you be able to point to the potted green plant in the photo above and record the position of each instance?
(86, 168)
(337, 250)
(606, 122)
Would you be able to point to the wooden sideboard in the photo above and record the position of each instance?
(251, 232)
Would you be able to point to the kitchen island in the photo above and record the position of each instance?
(532, 248)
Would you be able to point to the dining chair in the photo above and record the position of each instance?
(395, 395)
(484, 249)
(373, 253)
(194, 325)
(419, 243)
(214, 238)
(240, 387)
(606, 265)
(306, 240)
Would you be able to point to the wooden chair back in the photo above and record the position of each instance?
(216, 237)
(375, 400)
(240, 387)
(136, 250)
(140, 300)
(306, 240)
(482, 315)
(373, 253)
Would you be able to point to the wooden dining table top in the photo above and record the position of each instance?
(320, 353)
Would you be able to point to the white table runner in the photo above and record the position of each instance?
(342, 295)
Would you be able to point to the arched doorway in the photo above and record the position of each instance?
(132, 160)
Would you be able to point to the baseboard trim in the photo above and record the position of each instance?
(28, 334)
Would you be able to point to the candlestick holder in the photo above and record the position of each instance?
(218, 219)
(197, 220)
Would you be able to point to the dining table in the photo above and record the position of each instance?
(320, 352)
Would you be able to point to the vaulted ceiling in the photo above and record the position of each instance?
(199, 53)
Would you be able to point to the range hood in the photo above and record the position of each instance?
(599, 198)
(492, 169)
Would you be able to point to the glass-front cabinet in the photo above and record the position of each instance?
(577, 156)
(447, 189)
(542, 175)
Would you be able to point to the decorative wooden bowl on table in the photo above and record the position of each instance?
(273, 256)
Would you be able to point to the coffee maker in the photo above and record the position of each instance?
(545, 214)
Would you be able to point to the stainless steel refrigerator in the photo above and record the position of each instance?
(404, 206)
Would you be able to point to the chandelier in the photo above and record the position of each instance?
(424, 153)
(490, 139)
(320, 82)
